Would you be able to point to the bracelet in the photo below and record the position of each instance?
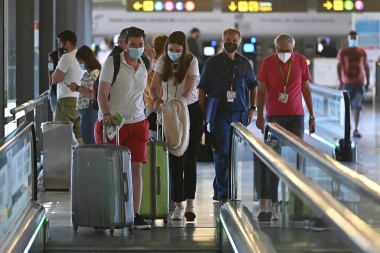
(106, 114)
(253, 107)
(77, 88)
(312, 117)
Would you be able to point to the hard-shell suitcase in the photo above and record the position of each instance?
(101, 187)
(155, 196)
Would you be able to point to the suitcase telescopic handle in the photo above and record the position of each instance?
(117, 125)
(126, 188)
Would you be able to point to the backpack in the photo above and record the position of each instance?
(95, 88)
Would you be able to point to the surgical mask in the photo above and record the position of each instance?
(102, 47)
(135, 53)
(174, 56)
(230, 47)
(284, 57)
(51, 67)
(353, 43)
(82, 66)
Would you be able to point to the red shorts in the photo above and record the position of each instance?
(134, 136)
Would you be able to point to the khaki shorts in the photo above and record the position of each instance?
(66, 112)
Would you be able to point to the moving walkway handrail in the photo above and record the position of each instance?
(243, 232)
(350, 226)
(360, 183)
(347, 110)
(30, 105)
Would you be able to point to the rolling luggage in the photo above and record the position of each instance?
(101, 187)
(155, 196)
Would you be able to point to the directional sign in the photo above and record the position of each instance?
(348, 6)
(169, 6)
(264, 6)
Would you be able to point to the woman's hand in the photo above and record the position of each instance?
(156, 104)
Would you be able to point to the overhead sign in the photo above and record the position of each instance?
(348, 6)
(169, 6)
(264, 6)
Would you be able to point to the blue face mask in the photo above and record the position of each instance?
(82, 66)
(135, 53)
(174, 56)
(353, 43)
(51, 67)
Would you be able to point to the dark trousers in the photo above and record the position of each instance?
(183, 169)
(266, 182)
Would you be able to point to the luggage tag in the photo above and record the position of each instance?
(231, 95)
(283, 97)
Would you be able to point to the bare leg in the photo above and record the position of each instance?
(80, 141)
(190, 202)
(137, 185)
(179, 204)
(356, 114)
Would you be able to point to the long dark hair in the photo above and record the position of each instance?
(54, 56)
(88, 57)
(178, 38)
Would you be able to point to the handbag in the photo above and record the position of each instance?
(210, 109)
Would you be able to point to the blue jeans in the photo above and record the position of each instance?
(356, 92)
(221, 131)
(152, 134)
(53, 101)
(88, 117)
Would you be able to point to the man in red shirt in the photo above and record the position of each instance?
(283, 80)
(352, 64)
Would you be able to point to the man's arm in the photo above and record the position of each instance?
(57, 76)
(252, 103)
(339, 72)
(306, 92)
(366, 70)
(261, 92)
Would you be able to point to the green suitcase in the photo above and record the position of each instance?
(155, 196)
(298, 211)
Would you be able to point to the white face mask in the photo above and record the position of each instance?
(284, 57)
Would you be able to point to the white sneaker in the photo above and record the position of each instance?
(178, 213)
(190, 214)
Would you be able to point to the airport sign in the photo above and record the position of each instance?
(264, 6)
(169, 6)
(348, 6)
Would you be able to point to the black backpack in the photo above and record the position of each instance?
(116, 68)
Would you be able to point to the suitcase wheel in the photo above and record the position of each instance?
(75, 228)
(166, 220)
(111, 231)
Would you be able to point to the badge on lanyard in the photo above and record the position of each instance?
(231, 95)
(283, 97)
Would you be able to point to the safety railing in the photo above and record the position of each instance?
(349, 226)
(22, 217)
(33, 110)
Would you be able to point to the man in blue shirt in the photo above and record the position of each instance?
(229, 78)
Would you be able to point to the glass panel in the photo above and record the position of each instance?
(329, 110)
(9, 61)
(16, 180)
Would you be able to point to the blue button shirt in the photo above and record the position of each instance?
(216, 81)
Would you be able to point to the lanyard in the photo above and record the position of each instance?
(231, 75)
(283, 75)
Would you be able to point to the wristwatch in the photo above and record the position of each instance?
(253, 108)
(312, 117)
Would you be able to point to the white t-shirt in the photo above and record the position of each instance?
(127, 92)
(177, 90)
(69, 65)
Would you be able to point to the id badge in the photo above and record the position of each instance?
(283, 97)
(231, 95)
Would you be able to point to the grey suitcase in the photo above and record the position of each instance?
(101, 187)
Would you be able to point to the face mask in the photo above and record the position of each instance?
(230, 47)
(174, 56)
(61, 51)
(284, 57)
(51, 67)
(102, 47)
(135, 53)
(82, 66)
(353, 43)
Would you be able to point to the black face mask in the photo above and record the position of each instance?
(230, 47)
(61, 51)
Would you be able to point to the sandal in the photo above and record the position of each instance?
(356, 134)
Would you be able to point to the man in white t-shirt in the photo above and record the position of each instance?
(126, 98)
(68, 70)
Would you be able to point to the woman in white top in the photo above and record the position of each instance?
(177, 72)
(88, 62)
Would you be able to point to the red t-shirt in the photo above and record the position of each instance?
(270, 74)
(353, 60)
